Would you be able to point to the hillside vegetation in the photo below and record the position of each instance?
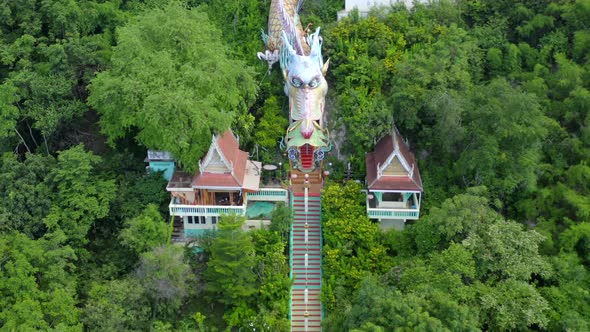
(492, 95)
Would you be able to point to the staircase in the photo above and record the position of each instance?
(306, 156)
(307, 279)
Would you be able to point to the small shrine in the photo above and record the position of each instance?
(394, 186)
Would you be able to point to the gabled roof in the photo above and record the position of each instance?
(226, 149)
(391, 148)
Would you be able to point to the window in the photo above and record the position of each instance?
(190, 219)
(214, 220)
(203, 220)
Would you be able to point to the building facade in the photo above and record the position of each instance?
(227, 182)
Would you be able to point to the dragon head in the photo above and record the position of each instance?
(305, 84)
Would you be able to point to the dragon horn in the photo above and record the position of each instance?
(287, 44)
(316, 47)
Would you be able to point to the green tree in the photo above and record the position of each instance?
(9, 112)
(229, 275)
(82, 196)
(36, 283)
(504, 250)
(281, 220)
(146, 231)
(453, 221)
(25, 196)
(166, 278)
(272, 125)
(567, 292)
(513, 305)
(171, 82)
(272, 276)
(117, 305)
(353, 245)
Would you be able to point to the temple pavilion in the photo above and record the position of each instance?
(394, 186)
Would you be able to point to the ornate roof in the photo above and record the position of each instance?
(225, 165)
(392, 165)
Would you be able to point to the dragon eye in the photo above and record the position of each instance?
(314, 83)
(296, 82)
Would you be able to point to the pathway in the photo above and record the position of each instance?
(306, 271)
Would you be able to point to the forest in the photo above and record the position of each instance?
(492, 95)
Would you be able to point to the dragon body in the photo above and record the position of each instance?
(303, 68)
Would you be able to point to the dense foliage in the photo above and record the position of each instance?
(488, 93)
(493, 97)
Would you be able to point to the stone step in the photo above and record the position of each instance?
(303, 283)
(299, 223)
(309, 280)
(311, 242)
(310, 309)
(311, 264)
(302, 194)
(300, 253)
(300, 241)
(300, 205)
(301, 269)
(313, 301)
(310, 297)
(310, 237)
(298, 292)
(309, 246)
(310, 233)
(306, 277)
(309, 275)
(300, 258)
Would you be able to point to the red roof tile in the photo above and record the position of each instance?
(395, 183)
(383, 150)
(229, 147)
(215, 180)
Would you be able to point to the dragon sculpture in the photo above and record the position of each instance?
(304, 70)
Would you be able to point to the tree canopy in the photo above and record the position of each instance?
(171, 93)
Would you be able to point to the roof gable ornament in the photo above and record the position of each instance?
(215, 150)
(395, 153)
